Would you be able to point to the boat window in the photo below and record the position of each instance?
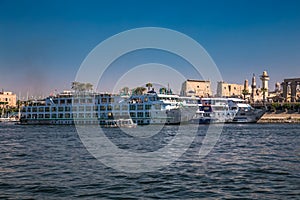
(111, 100)
(103, 100)
(41, 109)
(47, 116)
(132, 107)
(60, 109)
(88, 108)
(140, 114)
(140, 107)
(132, 114)
(53, 116)
(102, 107)
(34, 109)
(81, 108)
(147, 114)
(109, 107)
(157, 106)
(82, 101)
(47, 109)
(147, 107)
(116, 107)
(89, 101)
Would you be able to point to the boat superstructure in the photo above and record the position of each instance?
(226, 110)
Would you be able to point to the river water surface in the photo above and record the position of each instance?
(251, 161)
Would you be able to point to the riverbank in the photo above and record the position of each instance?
(284, 117)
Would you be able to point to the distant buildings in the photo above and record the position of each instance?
(229, 89)
(8, 98)
(200, 88)
(291, 89)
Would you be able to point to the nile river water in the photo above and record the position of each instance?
(251, 161)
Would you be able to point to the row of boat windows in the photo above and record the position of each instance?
(97, 100)
(105, 100)
(89, 108)
(88, 115)
(82, 100)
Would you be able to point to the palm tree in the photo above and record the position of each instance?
(139, 90)
(88, 86)
(125, 90)
(75, 85)
(245, 92)
(163, 90)
(149, 85)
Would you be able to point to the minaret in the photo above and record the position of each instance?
(265, 86)
(246, 85)
(253, 87)
(265, 80)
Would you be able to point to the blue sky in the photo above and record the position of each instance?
(43, 43)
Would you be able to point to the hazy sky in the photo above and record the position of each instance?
(43, 43)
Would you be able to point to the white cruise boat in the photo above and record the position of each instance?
(107, 110)
(226, 110)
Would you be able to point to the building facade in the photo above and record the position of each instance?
(199, 88)
(229, 89)
(8, 98)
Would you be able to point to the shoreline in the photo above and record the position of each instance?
(280, 118)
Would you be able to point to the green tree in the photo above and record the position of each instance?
(149, 85)
(245, 92)
(163, 90)
(125, 90)
(88, 87)
(139, 90)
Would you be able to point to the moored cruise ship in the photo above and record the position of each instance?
(226, 110)
(111, 110)
(107, 109)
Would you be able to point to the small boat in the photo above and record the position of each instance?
(121, 123)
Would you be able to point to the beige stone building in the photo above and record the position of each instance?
(200, 88)
(229, 89)
(8, 98)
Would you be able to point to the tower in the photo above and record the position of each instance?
(265, 86)
(265, 80)
(253, 87)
